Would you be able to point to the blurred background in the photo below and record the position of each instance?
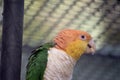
(43, 19)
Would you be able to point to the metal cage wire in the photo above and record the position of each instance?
(43, 19)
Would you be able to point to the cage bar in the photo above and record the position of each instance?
(13, 11)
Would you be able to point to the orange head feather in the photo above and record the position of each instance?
(72, 41)
(66, 36)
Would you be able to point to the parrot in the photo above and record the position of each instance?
(55, 60)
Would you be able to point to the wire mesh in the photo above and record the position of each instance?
(43, 19)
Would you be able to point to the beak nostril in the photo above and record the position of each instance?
(89, 46)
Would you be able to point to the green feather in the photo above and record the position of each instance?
(37, 62)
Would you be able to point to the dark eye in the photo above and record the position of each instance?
(83, 37)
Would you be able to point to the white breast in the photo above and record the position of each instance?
(59, 65)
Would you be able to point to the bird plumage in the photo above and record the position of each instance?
(38, 62)
(55, 61)
(59, 65)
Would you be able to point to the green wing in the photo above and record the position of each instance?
(37, 62)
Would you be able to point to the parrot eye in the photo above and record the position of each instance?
(83, 37)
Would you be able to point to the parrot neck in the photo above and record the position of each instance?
(76, 49)
(59, 66)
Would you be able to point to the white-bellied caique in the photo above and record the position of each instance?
(56, 60)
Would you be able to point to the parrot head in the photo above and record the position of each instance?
(74, 42)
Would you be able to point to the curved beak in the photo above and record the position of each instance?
(91, 48)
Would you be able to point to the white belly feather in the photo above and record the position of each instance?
(59, 66)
